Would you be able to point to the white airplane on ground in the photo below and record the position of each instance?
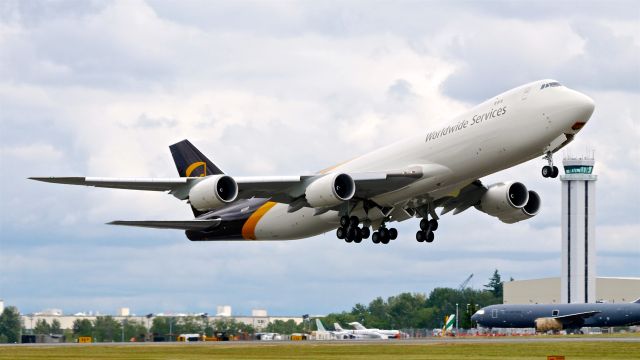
(435, 168)
(338, 333)
(392, 334)
(360, 334)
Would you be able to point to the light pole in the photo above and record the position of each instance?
(456, 319)
(170, 329)
(124, 322)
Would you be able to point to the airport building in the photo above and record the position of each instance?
(258, 319)
(548, 290)
(578, 278)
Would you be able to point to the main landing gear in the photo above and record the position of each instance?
(427, 227)
(549, 171)
(351, 232)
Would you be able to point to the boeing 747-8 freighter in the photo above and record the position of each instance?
(436, 168)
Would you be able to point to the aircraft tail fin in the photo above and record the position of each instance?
(356, 325)
(190, 162)
(320, 326)
(337, 327)
(449, 322)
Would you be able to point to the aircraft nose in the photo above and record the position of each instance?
(581, 106)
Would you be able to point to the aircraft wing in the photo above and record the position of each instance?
(570, 318)
(282, 189)
(171, 224)
(149, 184)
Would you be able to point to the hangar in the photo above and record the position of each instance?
(548, 290)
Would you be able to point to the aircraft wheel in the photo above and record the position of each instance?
(354, 221)
(420, 236)
(348, 240)
(385, 240)
(358, 238)
(352, 232)
(393, 233)
(366, 232)
(547, 171)
(554, 172)
(344, 221)
(433, 224)
(424, 224)
(430, 237)
(341, 233)
(375, 237)
(384, 233)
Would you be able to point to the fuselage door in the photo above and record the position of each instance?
(494, 313)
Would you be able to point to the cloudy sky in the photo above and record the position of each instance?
(101, 88)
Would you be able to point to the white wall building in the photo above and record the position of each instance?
(578, 278)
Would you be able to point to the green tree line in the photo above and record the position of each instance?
(421, 311)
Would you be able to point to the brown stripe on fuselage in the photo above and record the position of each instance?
(249, 227)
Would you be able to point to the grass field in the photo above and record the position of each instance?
(405, 350)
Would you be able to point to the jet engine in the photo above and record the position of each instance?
(547, 324)
(330, 190)
(510, 202)
(530, 210)
(213, 192)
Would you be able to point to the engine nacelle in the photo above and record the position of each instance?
(502, 199)
(213, 192)
(530, 210)
(330, 190)
(548, 323)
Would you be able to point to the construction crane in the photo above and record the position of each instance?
(464, 284)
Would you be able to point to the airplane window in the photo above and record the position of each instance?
(555, 312)
(551, 84)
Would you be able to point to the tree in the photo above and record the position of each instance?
(42, 327)
(495, 285)
(55, 327)
(10, 325)
(82, 327)
(133, 330)
(284, 327)
(106, 329)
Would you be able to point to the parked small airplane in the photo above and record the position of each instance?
(438, 168)
(361, 334)
(545, 317)
(395, 334)
(338, 333)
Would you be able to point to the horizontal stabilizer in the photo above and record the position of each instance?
(171, 224)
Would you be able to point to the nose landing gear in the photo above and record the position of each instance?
(549, 171)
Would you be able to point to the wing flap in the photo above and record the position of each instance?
(171, 224)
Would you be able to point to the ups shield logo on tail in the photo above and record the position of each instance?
(197, 169)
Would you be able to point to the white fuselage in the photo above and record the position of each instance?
(506, 130)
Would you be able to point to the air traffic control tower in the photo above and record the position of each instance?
(578, 278)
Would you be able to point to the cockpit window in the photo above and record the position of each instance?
(551, 84)
(480, 312)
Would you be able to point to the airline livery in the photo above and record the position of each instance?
(438, 168)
